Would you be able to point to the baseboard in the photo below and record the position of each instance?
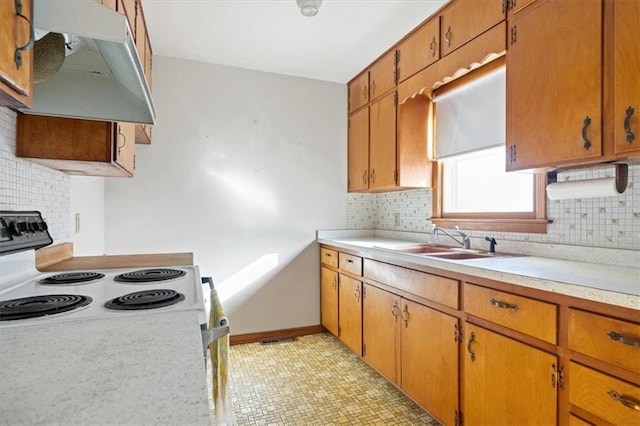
(276, 334)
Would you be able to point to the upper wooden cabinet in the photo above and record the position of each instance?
(420, 49)
(359, 91)
(382, 75)
(463, 20)
(382, 143)
(82, 147)
(358, 151)
(626, 122)
(555, 115)
(16, 53)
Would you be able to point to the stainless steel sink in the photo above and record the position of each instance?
(444, 252)
(459, 255)
(423, 249)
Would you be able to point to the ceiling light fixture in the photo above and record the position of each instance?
(309, 7)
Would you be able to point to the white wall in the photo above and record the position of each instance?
(244, 167)
(87, 215)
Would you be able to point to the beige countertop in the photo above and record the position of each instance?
(145, 370)
(613, 284)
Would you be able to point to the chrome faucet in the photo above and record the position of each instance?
(465, 243)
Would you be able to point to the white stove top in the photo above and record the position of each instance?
(102, 290)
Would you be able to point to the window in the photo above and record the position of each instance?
(472, 189)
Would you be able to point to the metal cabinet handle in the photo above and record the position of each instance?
(405, 315)
(503, 305)
(17, 55)
(356, 293)
(349, 260)
(364, 177)
(627, 127)
(627, 401)
(472, 339)
(394, 310)
(335, 282)
(365, 93)
(373, 176)
(124, 140)
(447, 36)
(585, 138)
(432, 46)
(622, 339)
(373, 87)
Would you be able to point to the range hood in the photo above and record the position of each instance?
(103, 79)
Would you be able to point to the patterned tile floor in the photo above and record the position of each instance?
(314, 380)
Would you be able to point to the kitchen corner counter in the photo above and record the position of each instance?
(119, 261)
(146, 369)
(615, 285)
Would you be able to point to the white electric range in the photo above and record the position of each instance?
(29, 297)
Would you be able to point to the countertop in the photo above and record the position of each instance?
(612, 284)
(79, 263)
(145, 370)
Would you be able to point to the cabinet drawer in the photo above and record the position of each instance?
(529, 316)
(350, 263)
(328, 257)
(432, 287)
(604, 396)
(614, 341)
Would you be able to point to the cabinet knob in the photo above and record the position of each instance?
(627, 126)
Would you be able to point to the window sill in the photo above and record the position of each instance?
(531, 226)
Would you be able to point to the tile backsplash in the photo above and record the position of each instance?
(28, 186)
(611, 222)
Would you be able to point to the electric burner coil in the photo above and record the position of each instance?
(39, 306)
(150, 275)
(147, 299)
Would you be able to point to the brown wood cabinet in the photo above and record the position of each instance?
(462, 20)
(381, 332)
(350, 313)
(430, 360)
(329, 300)
(555, 116)
(358, 151)
(382, 143)
(16, 78)
(505, 354)
(359, 91)
(382, 75)
(419, 50)
(83, 147)
(506, 381)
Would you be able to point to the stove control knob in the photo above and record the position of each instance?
(33, 227)
(16, 228)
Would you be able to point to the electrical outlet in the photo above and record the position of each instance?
(396, 219)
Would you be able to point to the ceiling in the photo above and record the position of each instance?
(273, 36)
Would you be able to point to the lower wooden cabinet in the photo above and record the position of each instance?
(606, 397)
(350, 313)
(82, 147)
(430, 360)
(381, 332)
(329, 300)
(507, 382)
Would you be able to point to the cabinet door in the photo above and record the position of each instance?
(329, 299)
(506, 382)
(359, 91)
(350, 314)
(382, 143)
(554, 114)
(381, 331)
(430, 360)
(382, 75)
(419, 50)
(124, 146)
(466, 19)
(414, 166)
(627, 72)
(358, 154)
(16, 82)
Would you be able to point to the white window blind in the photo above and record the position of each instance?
(471, 117)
